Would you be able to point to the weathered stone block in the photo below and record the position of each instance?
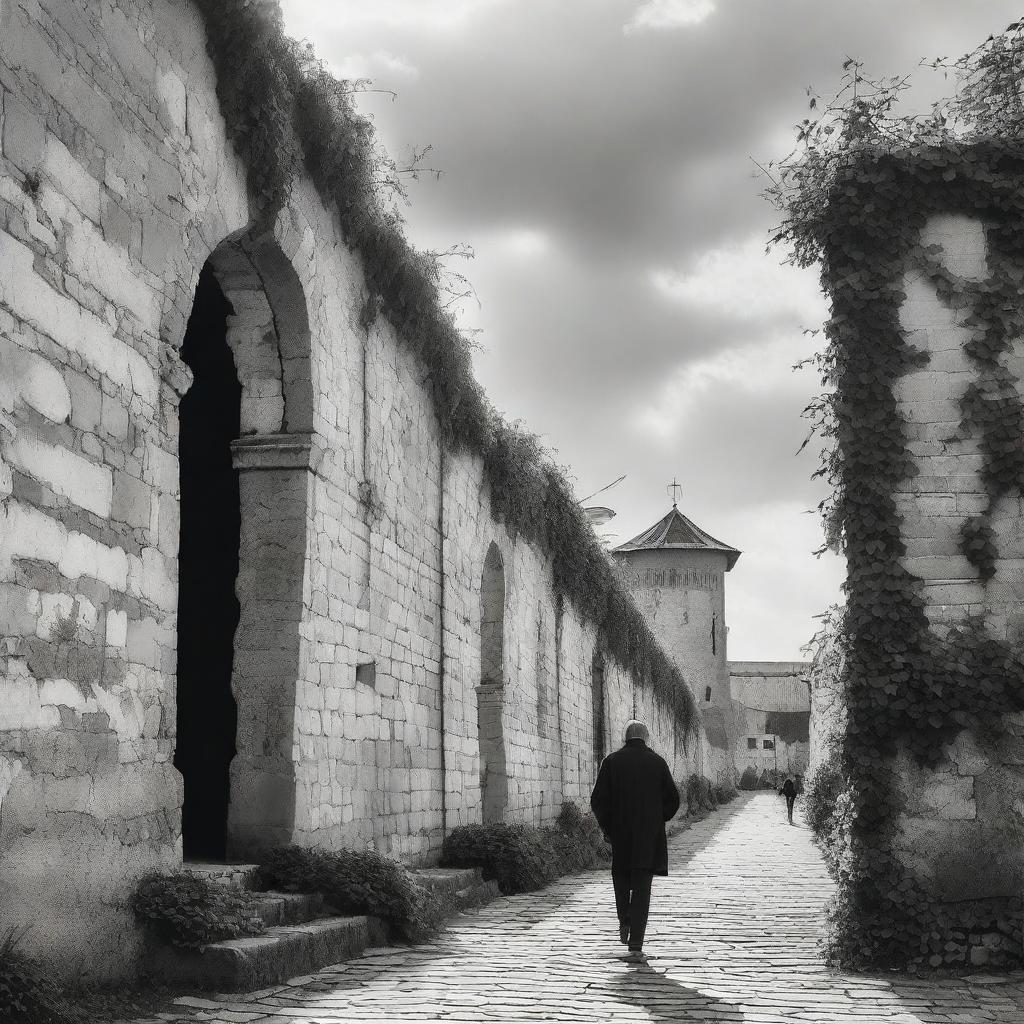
(24, 134)
(83, 482)
(130, 501)
(114, 418)
(962, 242)
(72, 178)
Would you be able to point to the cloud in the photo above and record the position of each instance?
(315, 18)
(776, 589)
(604, 179)
(668, 14)
(744, 283)
(763, 367)
(523, 241)
(375, 65)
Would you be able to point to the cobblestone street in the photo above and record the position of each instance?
(732, 937)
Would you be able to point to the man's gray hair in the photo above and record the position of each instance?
(637, 731)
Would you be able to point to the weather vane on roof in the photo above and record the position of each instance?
(675, 490)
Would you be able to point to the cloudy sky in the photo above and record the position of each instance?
(596, 157)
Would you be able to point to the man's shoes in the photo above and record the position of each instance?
(635, 956)
(624, 933)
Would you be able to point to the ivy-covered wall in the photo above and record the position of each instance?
(917, 224)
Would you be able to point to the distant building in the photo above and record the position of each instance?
(676, 574)
(774, 700)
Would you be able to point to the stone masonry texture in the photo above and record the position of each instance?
(972, 801)
(362, 543)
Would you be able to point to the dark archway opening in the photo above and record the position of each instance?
(208, 609)
(491, 691)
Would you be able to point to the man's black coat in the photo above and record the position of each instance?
(633, 798)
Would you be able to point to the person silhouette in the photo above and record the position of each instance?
(789, 792)
(632, 799)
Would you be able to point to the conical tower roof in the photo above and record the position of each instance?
(675, 531)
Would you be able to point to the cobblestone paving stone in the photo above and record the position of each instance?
(732, 937)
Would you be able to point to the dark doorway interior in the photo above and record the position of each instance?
(207, 568)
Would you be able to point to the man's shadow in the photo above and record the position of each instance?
(668, 1000)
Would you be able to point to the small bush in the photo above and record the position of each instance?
(522, 857)
(724, 794)
(578, 840)
(27, 996)
(190, 911)
(749, 779)
(358, 882)
(700, 795)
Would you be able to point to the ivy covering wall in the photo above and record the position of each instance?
(286, 115)
(854, 197)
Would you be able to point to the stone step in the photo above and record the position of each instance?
(298, 941)
(279, 908)
(461, 887)
(288, 951)
(241, 876)
(447, 880)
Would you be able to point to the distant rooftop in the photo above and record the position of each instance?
(598, 514)
(677, 532)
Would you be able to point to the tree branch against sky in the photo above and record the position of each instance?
(597, 160)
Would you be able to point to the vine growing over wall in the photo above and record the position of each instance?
(854, 198)
(284, 113)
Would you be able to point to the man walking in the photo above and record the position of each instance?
(633, 798)
(789, 792)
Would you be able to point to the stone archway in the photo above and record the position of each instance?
(491, 691)
(244, 487)
(597, 695)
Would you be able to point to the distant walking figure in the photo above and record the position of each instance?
(633, 798)
(789, 792)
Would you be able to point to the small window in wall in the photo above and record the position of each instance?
(707, 694)
(714, 644)
(769, 744)
(751, 743)
(366, 673)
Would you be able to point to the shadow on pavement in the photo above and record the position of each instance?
(668, 1000)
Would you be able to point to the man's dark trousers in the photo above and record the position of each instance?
(633, 902)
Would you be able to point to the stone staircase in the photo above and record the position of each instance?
(301, 936)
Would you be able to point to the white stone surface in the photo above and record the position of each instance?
(85, 483)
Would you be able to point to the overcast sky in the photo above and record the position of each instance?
(596, 156)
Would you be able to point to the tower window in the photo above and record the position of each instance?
(751, 743)
(707, 694)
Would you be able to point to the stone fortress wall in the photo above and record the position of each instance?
(398, 664)
(973, 799)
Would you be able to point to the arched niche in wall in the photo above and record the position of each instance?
(597, 695)
(245, 450)
(491, 690)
